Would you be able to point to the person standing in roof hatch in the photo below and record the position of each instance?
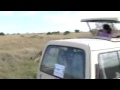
(105, 32)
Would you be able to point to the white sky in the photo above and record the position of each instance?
(48, 21)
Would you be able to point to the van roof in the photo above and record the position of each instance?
(94, 44)
(108, 19)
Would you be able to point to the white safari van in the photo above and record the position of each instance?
(81, 58)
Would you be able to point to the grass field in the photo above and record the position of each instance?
(17, 51)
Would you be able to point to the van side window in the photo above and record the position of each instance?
(72, 60)
(109, 65)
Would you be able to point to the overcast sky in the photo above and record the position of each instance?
(47, 21)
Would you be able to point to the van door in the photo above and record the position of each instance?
(63, 62)
(109, 65)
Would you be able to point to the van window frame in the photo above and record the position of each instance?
(117, 51)
(66, 47)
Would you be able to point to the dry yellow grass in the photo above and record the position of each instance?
(16, 52)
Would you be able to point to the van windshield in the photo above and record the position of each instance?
(64, 62)
(109, 64)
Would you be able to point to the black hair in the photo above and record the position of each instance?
(107, 28)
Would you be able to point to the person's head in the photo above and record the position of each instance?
(107, 28)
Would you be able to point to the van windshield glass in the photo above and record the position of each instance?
(109, 64)
(64, 62)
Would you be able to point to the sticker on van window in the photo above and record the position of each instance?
(59, 70)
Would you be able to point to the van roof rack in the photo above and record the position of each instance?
(113, 39)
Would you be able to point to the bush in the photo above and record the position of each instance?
(56, 32)
(2, 34)
(18, 33)
(49, 33)
(77, 31)
(66, 32)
